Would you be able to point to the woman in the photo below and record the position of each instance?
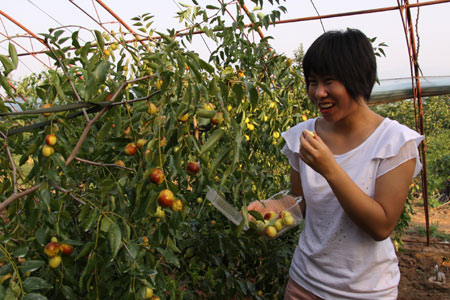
(353, 172)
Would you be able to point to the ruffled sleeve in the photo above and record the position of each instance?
(292, 139)
(397, 144)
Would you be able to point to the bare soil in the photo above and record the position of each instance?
(417, 260)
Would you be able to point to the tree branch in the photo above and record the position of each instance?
(16, 196)
(75, 150)
(63, 190)
(63, 67)
(84, 135)
(91, 122)
(102, 164)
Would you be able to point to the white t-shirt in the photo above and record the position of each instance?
(335, 259)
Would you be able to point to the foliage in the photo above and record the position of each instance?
(434, 231)
(82, 196)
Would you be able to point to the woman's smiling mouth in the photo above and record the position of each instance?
(325, 107)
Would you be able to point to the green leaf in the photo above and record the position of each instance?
(133, 250)
(68, 293)
(58, 33)
(115, 239)
(5, 269)
(170, 257)
(20, 252)
(101, 71)
(205, 113)
(7, 64)
(194, 69)
(58, 159)
(41, 236)
(212, 88)
(35, 283)
(255, 214)
(212, 140)
(63, 40)
(45, 196)
(31, 265)
(5, 84)
(105, 225)
(33, 296)
(206, 66)
(86, 249)
(218, 160)
(9, 295)
(227, 173)
(75, 42)
(87, 272)
(100, 40)
(87, 223)
(172, 245)
(265, 89)
(13, 55)
(23, 159)
(238, 92)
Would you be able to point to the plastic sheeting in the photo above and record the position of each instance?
(401, 88)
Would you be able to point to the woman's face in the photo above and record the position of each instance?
(331, 97)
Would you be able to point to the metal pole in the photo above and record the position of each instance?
(418, 96)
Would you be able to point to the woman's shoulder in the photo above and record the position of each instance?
(391, 136)
(393, 129)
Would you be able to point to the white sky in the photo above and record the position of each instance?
(433, 27)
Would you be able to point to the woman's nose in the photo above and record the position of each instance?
(320, 91)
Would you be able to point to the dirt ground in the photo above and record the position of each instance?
(417, 261)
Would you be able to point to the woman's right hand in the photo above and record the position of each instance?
(271, 205)
(259, 206)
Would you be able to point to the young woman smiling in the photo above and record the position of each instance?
(354, 175)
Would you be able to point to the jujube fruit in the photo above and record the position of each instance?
(192, 168)
(130, 149)
(52, 249)
(50, 139)
(166, 198)
(157, 176)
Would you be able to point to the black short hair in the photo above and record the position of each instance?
(346, 55)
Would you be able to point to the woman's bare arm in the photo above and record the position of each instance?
(297, 190)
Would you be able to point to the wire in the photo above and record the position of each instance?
(4, 27)
(96, 12)
(47, 14)
(321, 23)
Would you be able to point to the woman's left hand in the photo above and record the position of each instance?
(316, 154)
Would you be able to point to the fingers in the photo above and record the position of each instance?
(310, 146)
(252, 206)
(305, 144)
(256, 205)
